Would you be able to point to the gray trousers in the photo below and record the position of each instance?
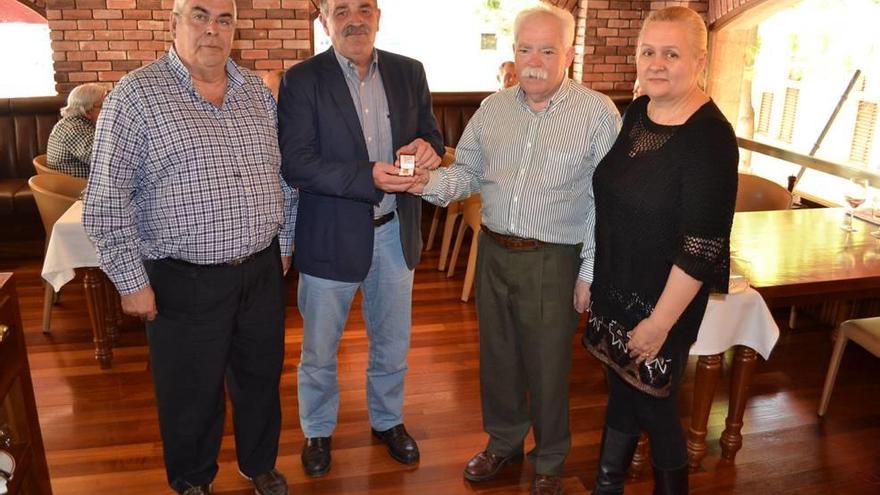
(527, 324)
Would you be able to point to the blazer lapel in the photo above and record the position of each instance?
(338, 89)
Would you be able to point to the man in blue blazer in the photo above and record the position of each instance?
(344, 116)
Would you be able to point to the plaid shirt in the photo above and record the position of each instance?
(173, 176)
(70, 145)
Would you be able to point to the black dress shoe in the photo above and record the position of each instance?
(401, 446)
(316, 456)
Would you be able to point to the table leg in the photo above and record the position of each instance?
(705, 381)
(744, 362)
(641, 455)
(111, 319)
(96, 302)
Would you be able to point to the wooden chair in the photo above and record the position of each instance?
(863, 331)
(54, 194)
(42, 167)
(447, 160)
(756, 193)
(453, 211)
(472, 218)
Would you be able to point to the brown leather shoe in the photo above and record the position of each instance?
(485, 465)
(270, 483)
(546, 485)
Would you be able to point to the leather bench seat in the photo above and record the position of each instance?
(25, 124)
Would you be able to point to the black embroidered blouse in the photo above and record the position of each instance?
(664, 195)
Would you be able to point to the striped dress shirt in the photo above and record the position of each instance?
(371, 104)
(173, 176)
(534, 170)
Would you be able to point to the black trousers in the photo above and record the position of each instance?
(527, 323)
(632, 411)
(216, 324)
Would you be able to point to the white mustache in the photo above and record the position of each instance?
(533, 73)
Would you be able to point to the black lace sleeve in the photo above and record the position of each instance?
(708, 185)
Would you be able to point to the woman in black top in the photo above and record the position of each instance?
(665, 196)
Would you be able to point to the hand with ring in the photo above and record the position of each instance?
(645, 340)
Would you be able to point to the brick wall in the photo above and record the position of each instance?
(610, 36)
(102, 40)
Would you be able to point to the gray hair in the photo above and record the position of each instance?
(180, 4)
(566, 20)
(82, 99)
(325, 6)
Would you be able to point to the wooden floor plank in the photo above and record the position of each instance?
(100, 429)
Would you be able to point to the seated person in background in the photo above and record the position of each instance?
(272, 80)
(69, 149)
(507, 75)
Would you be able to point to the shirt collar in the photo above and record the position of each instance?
(557, 98)
(350, 69)
(181, 73)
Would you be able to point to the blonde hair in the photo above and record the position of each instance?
(566, 20)
(691, 20)
(82, 99)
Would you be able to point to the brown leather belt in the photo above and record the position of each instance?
(511, 242)
(380, 221)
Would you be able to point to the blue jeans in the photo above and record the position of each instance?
(387, 308)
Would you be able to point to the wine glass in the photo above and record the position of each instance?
(855, 194)
(875, 214)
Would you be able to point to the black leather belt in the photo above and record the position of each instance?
(380, 221)
(235, 262)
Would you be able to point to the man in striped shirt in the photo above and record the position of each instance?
(530, 151)
(194, 226)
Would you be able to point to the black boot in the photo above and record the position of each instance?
(614, 459)
(671, 482)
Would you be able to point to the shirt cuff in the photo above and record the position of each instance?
(586, 271)
(286, 245)
(131, 281)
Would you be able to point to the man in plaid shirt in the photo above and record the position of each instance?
(194, 226)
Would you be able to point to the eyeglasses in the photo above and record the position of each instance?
(202, 20)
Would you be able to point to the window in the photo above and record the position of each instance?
(460, 42)
(789, 114)
(31, 60)
(798, 81)
(863, 135)
(765, 113)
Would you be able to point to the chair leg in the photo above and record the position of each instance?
(455, 250)
(448, 229)
(432, 233)
(471, 270)
(833, 367)
(48, 300)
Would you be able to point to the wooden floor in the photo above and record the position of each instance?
(101, 433)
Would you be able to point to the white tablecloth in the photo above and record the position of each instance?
(69, 248)
(736, 319)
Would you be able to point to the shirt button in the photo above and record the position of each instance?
(366, 110)
(370, 139)
(515, 199)
(529, 145)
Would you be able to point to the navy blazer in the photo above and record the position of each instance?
(324, 155)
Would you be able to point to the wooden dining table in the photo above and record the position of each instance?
(791, 257)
